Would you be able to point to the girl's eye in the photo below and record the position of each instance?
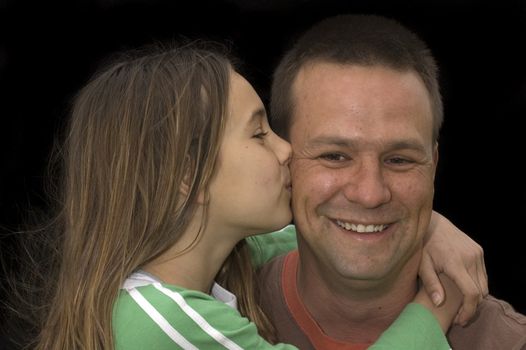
(261, 135)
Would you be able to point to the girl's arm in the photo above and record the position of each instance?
(422, 325)
(446, 250)
(450, 251)
(164, 317)
(267, 246)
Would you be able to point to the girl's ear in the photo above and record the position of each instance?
(185, 188)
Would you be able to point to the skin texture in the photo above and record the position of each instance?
(461, 258)
(363, 155)
(443, 312)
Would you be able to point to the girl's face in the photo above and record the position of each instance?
(250, 192)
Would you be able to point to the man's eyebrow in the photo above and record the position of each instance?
(331, 140)
(407, 144)
(411, 144)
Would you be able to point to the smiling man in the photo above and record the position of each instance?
(358, 98)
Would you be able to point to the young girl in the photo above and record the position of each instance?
(169, 164)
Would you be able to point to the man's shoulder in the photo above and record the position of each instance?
(496, 325)
(495, 312)
(494, 305)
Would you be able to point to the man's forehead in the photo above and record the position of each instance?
(357, 94)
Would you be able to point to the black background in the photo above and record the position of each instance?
(49, 49)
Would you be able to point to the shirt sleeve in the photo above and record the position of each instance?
(164, 317)
(266, 246)
(416, 328)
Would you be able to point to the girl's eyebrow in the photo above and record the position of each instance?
(256, 116)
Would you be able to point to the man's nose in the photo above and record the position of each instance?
(366, 184)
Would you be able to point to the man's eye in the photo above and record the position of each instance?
(399, 161)
(333, 157)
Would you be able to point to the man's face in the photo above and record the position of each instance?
(363, 168)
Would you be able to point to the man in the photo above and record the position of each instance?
(358, 98)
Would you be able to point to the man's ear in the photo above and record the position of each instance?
(435, 159)
(185, 187)
(435, 154)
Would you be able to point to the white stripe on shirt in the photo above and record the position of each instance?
(160, 320)
(201, 322)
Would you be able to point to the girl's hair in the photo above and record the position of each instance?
(138, 130)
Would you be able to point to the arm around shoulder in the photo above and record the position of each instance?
(162, 317)
(265, 247)
(416, 328)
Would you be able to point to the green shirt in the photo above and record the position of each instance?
(149, 314)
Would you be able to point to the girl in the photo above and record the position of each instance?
(169, 164)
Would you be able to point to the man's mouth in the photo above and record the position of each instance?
(361, 228)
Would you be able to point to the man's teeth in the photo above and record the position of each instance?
(361, 228)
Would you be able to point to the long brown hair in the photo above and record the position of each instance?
(138, 129)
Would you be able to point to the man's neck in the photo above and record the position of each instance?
(354, 311)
